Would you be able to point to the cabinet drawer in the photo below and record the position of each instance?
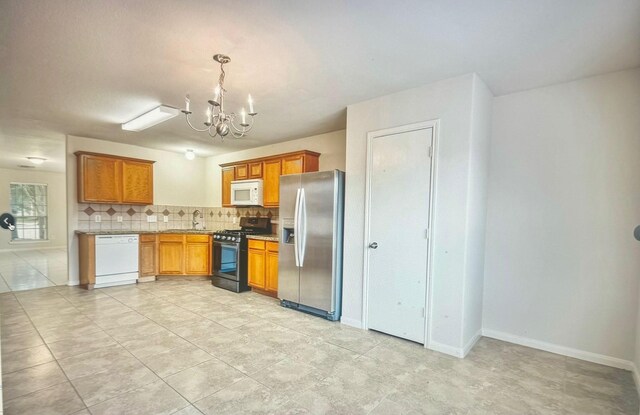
(149, 237)
(255, 244)
(197, 238)
(172, 237)
(272, 246)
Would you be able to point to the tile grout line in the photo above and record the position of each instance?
(53, 355)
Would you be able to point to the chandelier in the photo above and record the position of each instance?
(219, 122)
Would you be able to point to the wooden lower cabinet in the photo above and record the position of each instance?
(148, 258)
(263, 266)
(180, 254)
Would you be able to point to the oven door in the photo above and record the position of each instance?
(226, 260)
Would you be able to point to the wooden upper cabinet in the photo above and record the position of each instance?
(99, 179)
(137, 182)
(269, 170)
(271, 183)
(103, 178)
(242, 172)
(255, 170)
(228, 175)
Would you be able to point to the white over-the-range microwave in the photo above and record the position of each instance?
(246, 192)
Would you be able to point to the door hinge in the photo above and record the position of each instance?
(430, 151)
(426, 233)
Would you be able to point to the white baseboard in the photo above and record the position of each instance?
(636, 376)
(562, 350)
(73, 282)
(351, 322)
(472, 342)
(446, 349)
(30, 246)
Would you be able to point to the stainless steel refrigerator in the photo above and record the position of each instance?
(310, 256)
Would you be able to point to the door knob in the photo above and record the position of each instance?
(373, 245)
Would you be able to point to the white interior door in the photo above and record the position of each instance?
(399, 200)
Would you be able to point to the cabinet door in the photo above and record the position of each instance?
(171, 258)
(256, 268)
(293, 164)
(242, 172)
(227, 177)
(198, 258)
(255, 170)
(99, 179)
(147, 259)
(271, 183)
(137, 182)
(271, 274)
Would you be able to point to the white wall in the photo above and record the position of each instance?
(57, 211)
(476, 211)
(561, 263)
(451, 102)
(330, 145)
(176, 181)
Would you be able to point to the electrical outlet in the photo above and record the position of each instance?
(97, 218)
(235, 219)
(165, 219)
(152, 218)
(119, 218)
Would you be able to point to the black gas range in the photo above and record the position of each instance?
(230, 253)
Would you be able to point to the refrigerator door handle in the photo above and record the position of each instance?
(296, 230)
(302, 227)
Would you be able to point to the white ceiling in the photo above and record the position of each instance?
(82, 67)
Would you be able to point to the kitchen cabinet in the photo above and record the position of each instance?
(184, 254)
(171, 255)
(228, 174)
(269, 170)
(263, 266)
(198, 255)
(241, 172)
(255, 170)
(104, 178)
(148, 258)
(271, 183)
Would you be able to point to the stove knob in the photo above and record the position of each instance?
(216, 236)
(233, 239)
(225, 238)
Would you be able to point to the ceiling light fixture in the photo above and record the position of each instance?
(190, 154)
(151, 118)
(218, 122)
(36, 160)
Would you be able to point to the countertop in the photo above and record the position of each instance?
(271, 238)
(130, 232)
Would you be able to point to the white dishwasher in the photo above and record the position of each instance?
(116, 260)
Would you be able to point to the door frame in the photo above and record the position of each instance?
(424, 125)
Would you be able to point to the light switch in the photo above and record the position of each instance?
(97, 218)
(165, 219)
(152, 218)
(119, 218)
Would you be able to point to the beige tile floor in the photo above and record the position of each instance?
(185, 347)
(33, 268)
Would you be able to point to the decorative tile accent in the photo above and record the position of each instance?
(131, 212)
(211, 213)
(269, 214)
(149, 212)
(89, 211)
(111, 211)
(181, 213)
(219, 213)
(258, 214)
(166, 212)
(238, 213)
(228, 214)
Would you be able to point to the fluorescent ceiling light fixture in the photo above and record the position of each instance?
(36, 160)
(151, 118)
(190, 154)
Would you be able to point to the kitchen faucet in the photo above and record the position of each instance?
(194, 222)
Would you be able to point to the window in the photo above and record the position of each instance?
(29, 206)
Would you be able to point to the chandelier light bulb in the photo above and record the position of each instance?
(251, 105)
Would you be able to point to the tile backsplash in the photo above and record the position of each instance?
(135, 217)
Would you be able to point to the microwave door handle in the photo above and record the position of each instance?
(303, 227)
(296, 234)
